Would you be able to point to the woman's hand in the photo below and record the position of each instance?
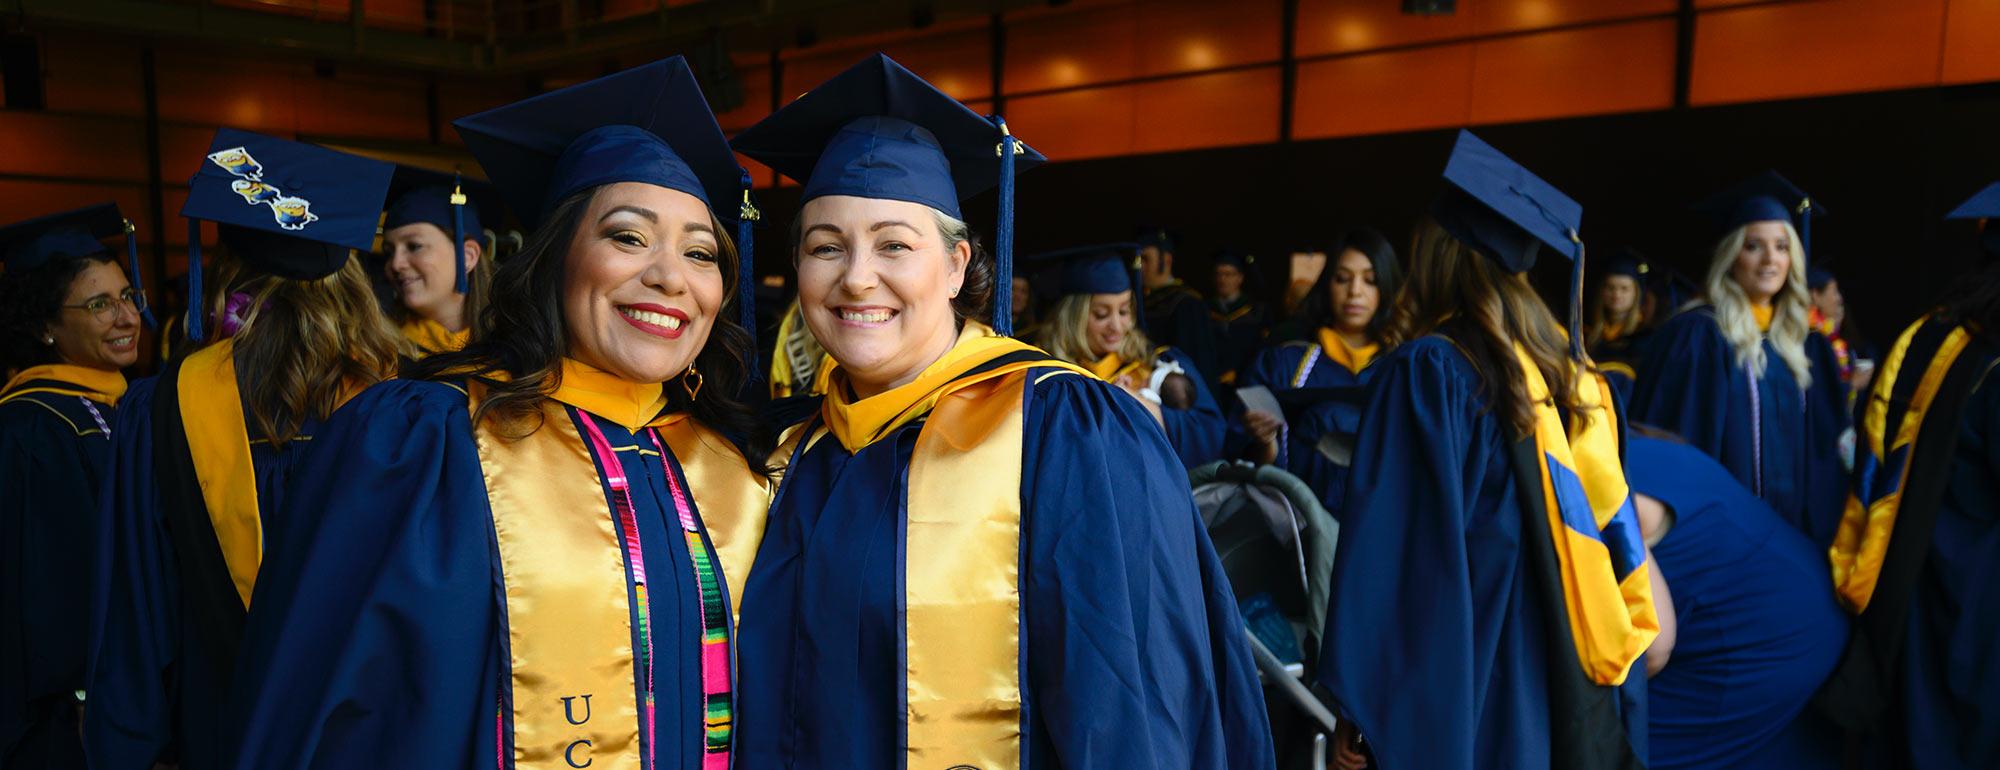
(1263, 427)
(1126, 384)
(1347, 748)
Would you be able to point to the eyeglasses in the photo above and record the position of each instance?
(105, 309)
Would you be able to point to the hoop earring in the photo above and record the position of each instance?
(694, 389)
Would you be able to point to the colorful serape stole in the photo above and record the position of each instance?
(715, 655)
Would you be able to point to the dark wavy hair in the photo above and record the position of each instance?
(32, 301)
(1316, 310)
(521, 336)
(1974, 302)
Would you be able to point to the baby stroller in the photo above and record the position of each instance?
(1276, 543)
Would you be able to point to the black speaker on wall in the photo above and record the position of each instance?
(1430, 7)
(21, 69)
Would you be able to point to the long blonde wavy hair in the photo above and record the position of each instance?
(1067, 334)
(1788, 309)
(306, 343)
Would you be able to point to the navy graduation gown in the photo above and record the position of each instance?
(1950, 712)
(1196, 432)
(1689, 383)
(1436, 643)
(1277, 368)
(1758, 626)
(1239, 332)
(53, 450)
(157, 690)
(1133, 652)
(1176, 317)
(380, 632)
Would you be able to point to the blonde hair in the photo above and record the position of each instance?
(1601, 316)
(1067, 333)
(1788, 317)
(306, 343)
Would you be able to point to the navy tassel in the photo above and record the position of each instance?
(458, 233)
(1003, 239)
(746, 261)
(196, 308)
(1576, 301)
(138, 280)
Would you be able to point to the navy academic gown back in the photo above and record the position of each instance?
(1949, 718)
(1133, 652)
(380, 632)
(1176, 316)
(53, 450)
(1239, 333)
(1436, 643)
(1758, 627)
(1779, 440)
(156, 690)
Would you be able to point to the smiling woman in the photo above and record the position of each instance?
(1741, 375)
(441, 286)
(980, 555)
(594, 422)
(69, 322)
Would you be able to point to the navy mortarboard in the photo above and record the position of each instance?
(1985, 206)
(1766, 197)
(289, 209)
(78, 233)
(648, 124)
(450, 203)
(1505, 212)
(878, 131)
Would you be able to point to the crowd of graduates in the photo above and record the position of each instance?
(410, 492)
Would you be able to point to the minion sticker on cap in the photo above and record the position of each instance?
(293, 212)
(255, 192)
(237, 160)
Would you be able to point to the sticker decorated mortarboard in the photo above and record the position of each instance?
(649, 124)
(286, 208)
(878, 131)
(30, 244)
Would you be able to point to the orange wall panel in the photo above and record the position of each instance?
(756, 100)
(85, 75)
(1073, 125)
(41, 144)
(248, 93)
(1385, 92)
(26, 200)
(1343, 26)
(1182, 36)
(1972, 41)
(1519, 15)
(1074, 49)
(363, 108)
(958, 63)
(1811, 49)
(1592, 70)
(1218, 110)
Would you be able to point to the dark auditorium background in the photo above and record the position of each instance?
(1262, 125)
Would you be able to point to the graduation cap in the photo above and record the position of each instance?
(1984, 204)
(1630, 263)
(1102, 268)
(878, 131)
(648, 124)
(79, 233)
(447, 201)
(1156, 237)
(289, 209)
(1766, 197)
(1505, 212)
(1672, 288)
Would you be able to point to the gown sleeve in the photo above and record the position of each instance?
(1269, 368)
(1827, 419)
(1136, 654)
(1402, 563)
(1683, 382)
(374, 637)
(133, 687)
(1195, 432)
